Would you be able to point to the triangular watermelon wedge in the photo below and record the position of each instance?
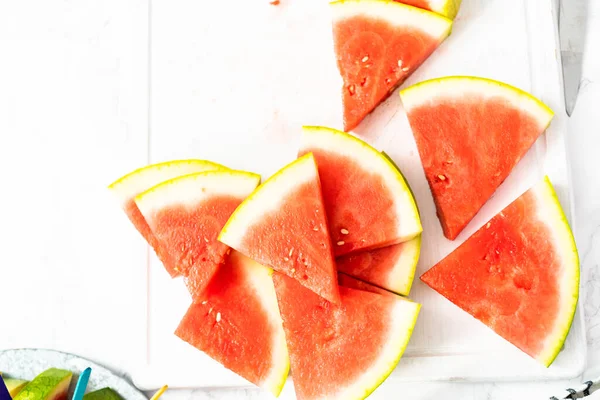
(186, 215)
(447, 8)
(127, 187)
(342, 351)
(392, 267)
(368, 202)
(518, 274)
(283, 225)
(236, 321)
(470, 133)
(378, 44)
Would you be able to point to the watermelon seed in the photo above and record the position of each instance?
(228, 251)
(400, 63)
(341, 243)
(488, 225)
(293, 270)
(209, 311)
(218, 316)
(286, 259)
(351, 90)
(315, 229)
(405, 69)
(362, 83)
(204, 302)
(206, 240)
(442, 177)
(291, 252)
(344, 231)
(388, 80)
(365, 59)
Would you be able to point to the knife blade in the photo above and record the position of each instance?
(571, 28)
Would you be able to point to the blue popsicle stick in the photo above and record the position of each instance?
(82, 384)
(4, 395)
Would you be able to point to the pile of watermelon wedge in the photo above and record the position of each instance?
(261, 262)
(310, 270)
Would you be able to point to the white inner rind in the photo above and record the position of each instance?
(397, 14)
(402, 275)
(458, 88)
(262, 282)
(402, 319)
(374, 162)
(141, 180)
(268, 197)
(550, 213)
(190, 190)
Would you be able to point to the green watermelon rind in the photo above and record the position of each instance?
(399, 346)
(163, 193)
(411, 204)
(428, 90)
(276, 381)
(130, 184)
(450, 8)
(432, 16)
(560, 225)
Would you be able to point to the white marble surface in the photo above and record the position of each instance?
(74, 70)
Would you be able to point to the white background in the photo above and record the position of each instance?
(88, 77)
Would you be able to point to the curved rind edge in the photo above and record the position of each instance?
(148, 168)
(389, 162)
(408, 92)
(440, 16)
(174, 181)
(561, 225)
(401, 346)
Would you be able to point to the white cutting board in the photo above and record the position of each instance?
(234, 82)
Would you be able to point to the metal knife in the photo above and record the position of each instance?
(571, 27)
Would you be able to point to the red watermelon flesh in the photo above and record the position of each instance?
(368, 202)
(283, 225)
(186, 215)
(140, 180)
(378, 44)
(236, 322)
(342, 351)
(392, 268)
(518, 274)
(470, 133)
(352, 283)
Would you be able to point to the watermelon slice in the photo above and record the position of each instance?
(352, 283)
(518, 274)
(342, 351)
(378, 44)
(392, 268)
(187, 213)
(236, 321)
(283, 225)
(447, 8)
(368, 202)
(470, 133)
(140, 180)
